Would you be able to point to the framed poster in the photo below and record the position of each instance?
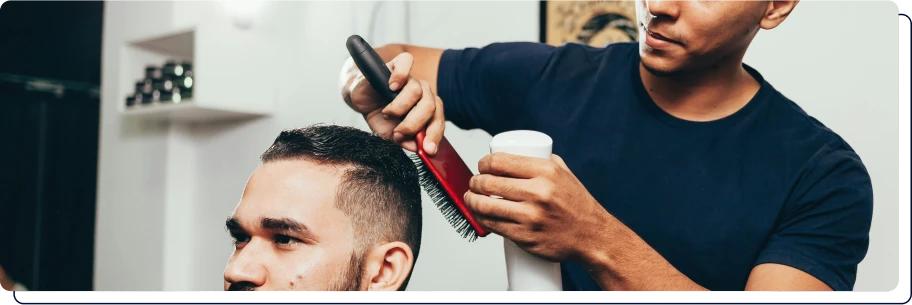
(595, 23)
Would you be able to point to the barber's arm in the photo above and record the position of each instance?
(478, 88)
(547, 211)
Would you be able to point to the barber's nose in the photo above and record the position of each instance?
(246, 268)
(664, 8)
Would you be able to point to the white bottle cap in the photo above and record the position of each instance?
(527, 143)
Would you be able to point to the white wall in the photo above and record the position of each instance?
(160, 221)
(901, 84)
(128, 238)
(837, 60)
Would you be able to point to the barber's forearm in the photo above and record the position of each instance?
(624, 261)
(389, 51)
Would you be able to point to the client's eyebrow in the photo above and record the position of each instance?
(287, 225)
(232, 225)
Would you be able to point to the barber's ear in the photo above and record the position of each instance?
(387, 266)
(776, 12)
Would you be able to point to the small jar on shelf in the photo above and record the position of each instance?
(153, 72)
(176, 68)
(181, 95)
(142, 99)
(162, 97)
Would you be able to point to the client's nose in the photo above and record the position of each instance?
(244, 271)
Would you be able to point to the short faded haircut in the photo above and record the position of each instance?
(379, 192)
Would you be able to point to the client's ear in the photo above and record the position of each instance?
(387, 266)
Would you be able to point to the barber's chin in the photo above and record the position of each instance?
(657, 64)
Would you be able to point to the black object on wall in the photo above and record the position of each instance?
(49, 118)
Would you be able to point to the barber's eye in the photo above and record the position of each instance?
(284, 239)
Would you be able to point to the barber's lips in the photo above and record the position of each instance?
(658, 41)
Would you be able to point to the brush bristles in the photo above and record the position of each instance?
(443, 202)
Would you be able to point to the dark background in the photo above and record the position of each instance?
(52, 39)
(50, 71)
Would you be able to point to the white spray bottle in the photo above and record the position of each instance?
(526, 272)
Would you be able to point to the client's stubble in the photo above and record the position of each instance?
(348, 279)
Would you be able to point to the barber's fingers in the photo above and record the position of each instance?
(560, 162)
(509, 165)
(505, 210)
(409, 145)
(380, 125)
(509, 188)
(434, 131)
(499, 226)
(418, 118)
(503, 217)
(400, 67)
(409, 96)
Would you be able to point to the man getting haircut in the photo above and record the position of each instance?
(329, 208)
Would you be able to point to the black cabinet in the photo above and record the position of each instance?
(49, 157)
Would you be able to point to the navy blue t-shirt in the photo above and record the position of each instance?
(767, 184)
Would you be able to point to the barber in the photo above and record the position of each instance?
(676, 166)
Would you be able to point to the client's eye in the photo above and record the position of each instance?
(284, 239)
(240, 238)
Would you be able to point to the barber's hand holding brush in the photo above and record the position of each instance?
(416, 106)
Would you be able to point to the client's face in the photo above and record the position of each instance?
(289, 235)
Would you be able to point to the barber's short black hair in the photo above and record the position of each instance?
(380, 193)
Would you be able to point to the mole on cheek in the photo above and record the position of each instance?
(298, 278)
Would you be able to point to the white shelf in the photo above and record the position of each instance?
(178, 43)
(189, 112)
(217, 74)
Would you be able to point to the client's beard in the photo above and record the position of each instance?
(347, 280)
(350, 278)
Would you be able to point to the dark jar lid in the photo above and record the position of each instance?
(142, 98)
(177, 68)
(144, 87)
(153, 72)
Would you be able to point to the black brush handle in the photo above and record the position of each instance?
(372, 67)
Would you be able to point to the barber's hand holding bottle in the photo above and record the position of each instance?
(415, 108)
